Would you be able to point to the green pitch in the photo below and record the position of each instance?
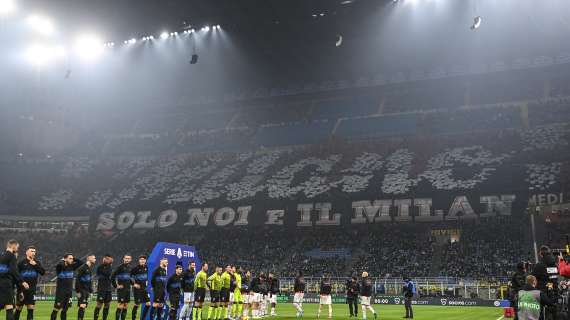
(340, 311)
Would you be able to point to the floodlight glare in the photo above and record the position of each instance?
(164, 35)
(89, 47)
(7, 7)
(41, 24)
(40, 54)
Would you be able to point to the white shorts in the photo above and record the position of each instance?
(273, 298)
(256, 297)
(298, 297)
(231, 297)
(188, 297)
(326, 299)
(365, 301)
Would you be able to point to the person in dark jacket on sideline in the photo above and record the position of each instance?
(546, 274)
(352, 290)
(518, 281)
(409, 290)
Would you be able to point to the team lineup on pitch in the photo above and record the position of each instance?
(194, 292)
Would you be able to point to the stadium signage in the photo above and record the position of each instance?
(311, 214)
(544, 199)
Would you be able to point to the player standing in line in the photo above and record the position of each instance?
(104, 287)
(158, 284)
(9, 278)
(273, 292)
(264, 292)
(325, 296)
(121, 279)
(188, 287)
(226, 278)
(84, 285)
(174, 287)
(299, 289)
(30, 270)
(256, 296)
(365, 295)
(237, 306)
(246, 294)
(65, 271)
(215, 285)
(232, 290)
(139, 280)
(200, 283)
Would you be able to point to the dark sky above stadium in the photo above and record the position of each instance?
(266, 43)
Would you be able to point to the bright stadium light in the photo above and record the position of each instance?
(41, 24)
(89, 47)
(40, 54)
(164, 35)
(7, 7)
(151, 37)
(133, 41)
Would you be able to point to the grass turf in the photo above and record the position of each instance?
(340, 311)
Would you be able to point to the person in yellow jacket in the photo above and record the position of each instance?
(225, 291)
(200, 284)
(236, 297)
(215, 286)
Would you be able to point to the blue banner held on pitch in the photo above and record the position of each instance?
(175, 253)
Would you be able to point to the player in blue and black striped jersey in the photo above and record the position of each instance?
(121, 279)
(84, 285)
(65, 271)
(104, 287)
(9, 278)
(158, 283)
(30, 270)
(139, 279)
(174, 289)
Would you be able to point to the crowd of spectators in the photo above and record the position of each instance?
(425, 165)
(485, 249)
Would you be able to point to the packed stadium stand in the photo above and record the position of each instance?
(341, 150)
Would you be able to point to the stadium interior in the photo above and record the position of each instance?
(328, 137)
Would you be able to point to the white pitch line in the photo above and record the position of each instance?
(500, 318)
